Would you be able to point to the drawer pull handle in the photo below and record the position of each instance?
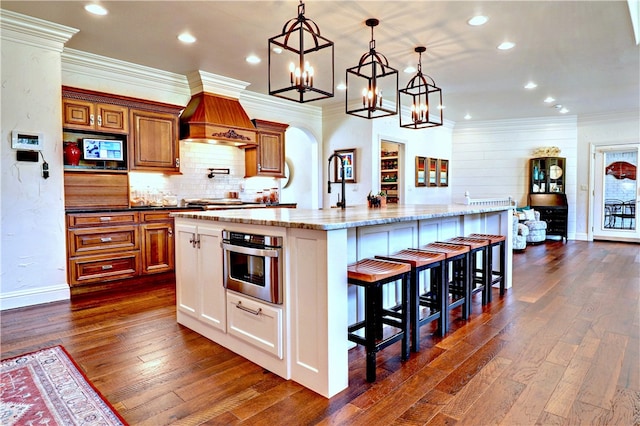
(105, 239)
(105, 218)
(239, 305)
(106, 267)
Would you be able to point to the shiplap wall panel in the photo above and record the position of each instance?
(491, 158)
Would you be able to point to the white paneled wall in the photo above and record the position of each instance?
(491, 158)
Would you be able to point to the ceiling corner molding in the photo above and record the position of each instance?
(102, 67)
(202, 81)
(567, 122)
(259, 101)
(33, 31)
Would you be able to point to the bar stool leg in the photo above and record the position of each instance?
(407, 283)
(415, 311)
(370, 331)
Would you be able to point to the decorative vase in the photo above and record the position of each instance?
(71, 154)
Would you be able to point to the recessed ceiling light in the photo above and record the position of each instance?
(506, 45)
(564, 111)
(530, 85)
(277, 50)
(557, 106)
(467, 117)
(441, 107)
(96, 9)
(341, 86)
(253, 59)
(549, 99)
(477, 20)
(186, 38)
(410, 69)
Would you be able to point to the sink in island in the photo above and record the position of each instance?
(305, 338)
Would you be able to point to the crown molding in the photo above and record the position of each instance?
(33, 31)
(102, 67)
(569, 122)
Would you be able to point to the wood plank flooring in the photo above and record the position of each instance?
(561, 347)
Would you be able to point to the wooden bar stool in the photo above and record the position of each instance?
(434, 299)
(459, 282)
(497, 275)
(372, 275)
(480, 277)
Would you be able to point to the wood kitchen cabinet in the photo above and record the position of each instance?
(94, 116)
(267, 158)
(200, 291)
(154, 143)
(157, 245)
(102, 247)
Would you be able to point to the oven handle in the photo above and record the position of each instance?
(251, 251)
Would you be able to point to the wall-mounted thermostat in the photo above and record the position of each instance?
(31, 141)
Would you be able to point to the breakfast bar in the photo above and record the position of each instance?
(304, 338)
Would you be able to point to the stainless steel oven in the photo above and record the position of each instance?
(253, 265)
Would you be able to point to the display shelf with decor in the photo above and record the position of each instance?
(389, 176)
(547, 175)
(94, 152)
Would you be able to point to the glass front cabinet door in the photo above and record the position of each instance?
(547, 175)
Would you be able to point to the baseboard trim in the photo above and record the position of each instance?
(22, 298)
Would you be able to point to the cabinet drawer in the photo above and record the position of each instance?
(156, 216)
(78, 220)
(102, 240)
(254, 322)
(88, 269)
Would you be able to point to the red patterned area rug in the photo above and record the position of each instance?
(48, 388)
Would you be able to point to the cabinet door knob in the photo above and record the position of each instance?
(106, 267)
(105, 239)
(105, 218)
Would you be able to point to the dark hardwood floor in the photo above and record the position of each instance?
(561, 347)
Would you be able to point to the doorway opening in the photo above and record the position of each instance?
(615, 195)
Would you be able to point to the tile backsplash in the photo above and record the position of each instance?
(196, 160)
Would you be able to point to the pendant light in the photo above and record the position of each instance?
(372, 85)
(301, 61)
(421, 100)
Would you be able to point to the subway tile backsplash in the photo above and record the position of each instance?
(196, 159)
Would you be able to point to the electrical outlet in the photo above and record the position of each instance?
(45, 170)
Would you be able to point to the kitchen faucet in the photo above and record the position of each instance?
(342, 204)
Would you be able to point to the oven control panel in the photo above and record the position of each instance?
(251, 240)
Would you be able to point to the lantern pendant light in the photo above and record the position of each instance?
(372, 85)
(421, 100)
(301, 61)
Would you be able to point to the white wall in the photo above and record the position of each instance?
(342, 131)
(32, 209)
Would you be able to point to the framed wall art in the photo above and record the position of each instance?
(421, 171)
(349, 156)
(443, 172)
(432, 168)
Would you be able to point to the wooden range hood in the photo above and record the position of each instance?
(217, 119)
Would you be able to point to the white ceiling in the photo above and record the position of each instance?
(582, 53)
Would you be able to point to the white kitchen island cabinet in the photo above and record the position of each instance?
(318, 303)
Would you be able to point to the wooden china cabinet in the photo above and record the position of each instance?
(547, 185)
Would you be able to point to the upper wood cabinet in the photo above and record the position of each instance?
(267, 158)
(154, 143)
(85, 115)
(152, 127)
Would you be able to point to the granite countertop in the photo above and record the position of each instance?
(330, 219)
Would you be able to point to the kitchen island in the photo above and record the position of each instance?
(305, 338)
